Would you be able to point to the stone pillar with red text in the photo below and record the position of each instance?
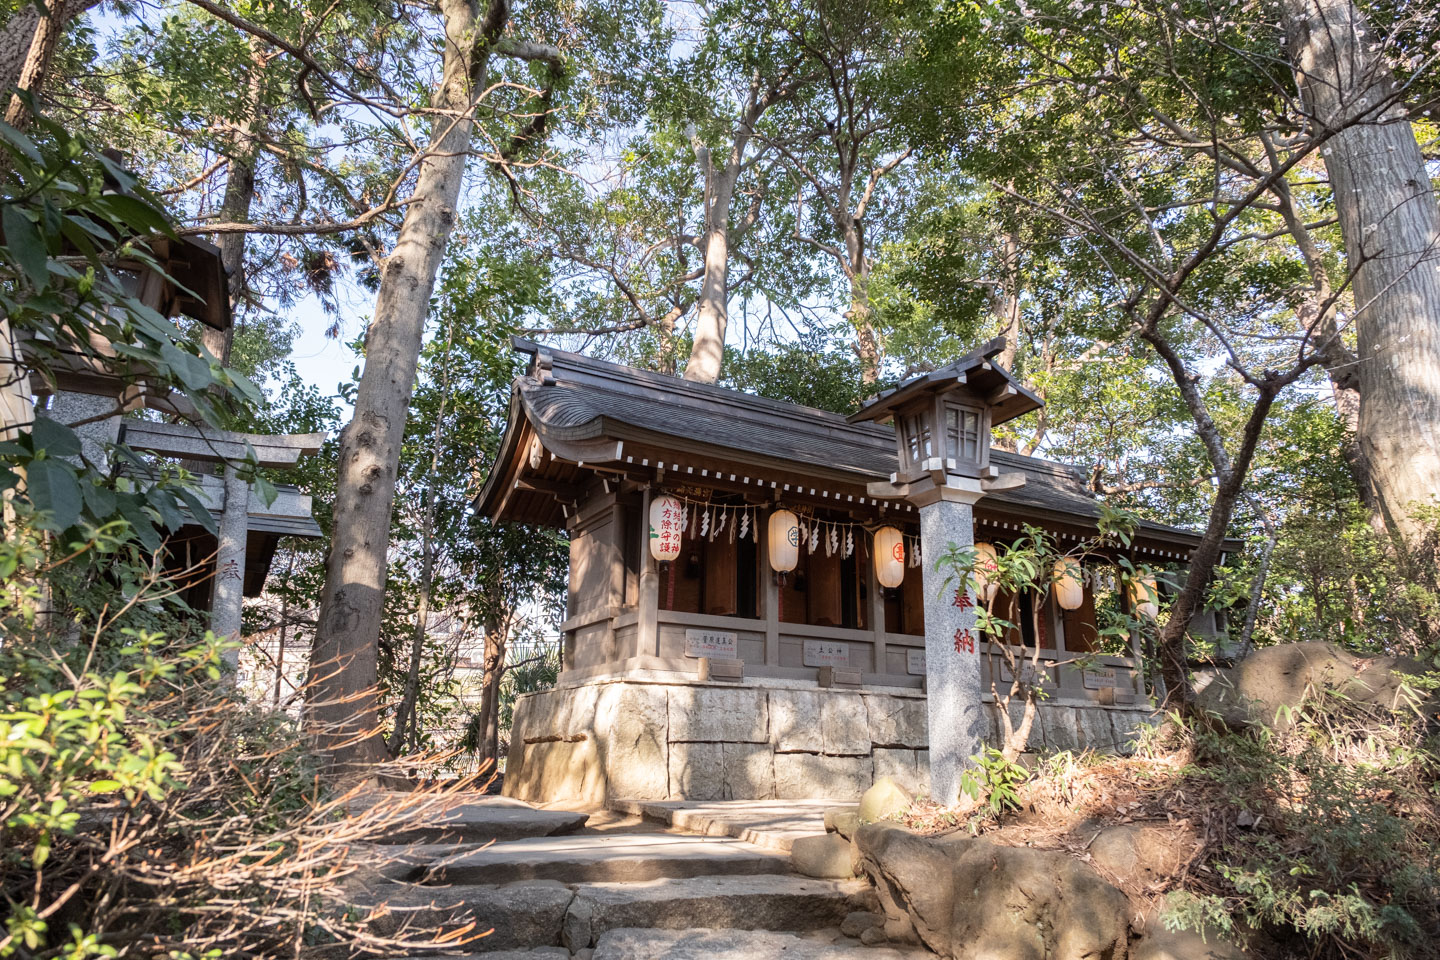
(955, 713)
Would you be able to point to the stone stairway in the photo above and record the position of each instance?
(614, 887)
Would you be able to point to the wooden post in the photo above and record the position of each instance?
(771, 586)
(875, 610)
(647, 624)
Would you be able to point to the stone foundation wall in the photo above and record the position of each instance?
(692, 741)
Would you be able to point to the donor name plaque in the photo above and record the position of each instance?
(715, 644)
(1099, 678)
(827, 653)
(915, 663)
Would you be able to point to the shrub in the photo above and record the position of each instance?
(1324, 834)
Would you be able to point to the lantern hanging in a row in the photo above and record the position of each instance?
(1144, 597)
(784, 541)
(889, 557)
(1069, 583)
(986, 565)
(667, 523)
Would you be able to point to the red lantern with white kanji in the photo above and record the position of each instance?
(667, 523)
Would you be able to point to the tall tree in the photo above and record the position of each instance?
(1390, 220)
(343, 665)
(837, 140)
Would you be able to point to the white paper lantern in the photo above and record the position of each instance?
(889, 557)
(1144, 597)
(1069, 583)
(784, 541)
(667, 524)
(986, 564)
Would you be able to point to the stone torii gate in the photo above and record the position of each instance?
(232, 498)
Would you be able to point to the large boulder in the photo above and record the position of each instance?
(912, 878)
(1252, 692)
(1024, 904)
(970, 899)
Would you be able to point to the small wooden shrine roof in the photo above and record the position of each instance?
(593, 415)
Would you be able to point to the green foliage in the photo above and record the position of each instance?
(1332, 833)
(995, 779)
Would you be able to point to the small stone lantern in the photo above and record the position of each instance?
(942, 444)
(943, 421)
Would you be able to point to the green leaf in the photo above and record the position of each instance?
(135, 214)
(100, 501)
(55, 438)
(197, 509)
(265, 490)
(129, 506)
(53, 489)
(20, 142)
(26, 246)
(164, 503)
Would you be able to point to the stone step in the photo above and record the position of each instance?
(606, 857)
(534, 913)
(773, 824)
(632, 944)
(478, 820)
(766, 902)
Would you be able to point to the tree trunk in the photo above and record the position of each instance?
(492, 672)
(712, 314)
(1390, 222)
(343, 673)
(406, 725)
(18, 35)
(1231, 473)
(239, 195)
(1257, 592)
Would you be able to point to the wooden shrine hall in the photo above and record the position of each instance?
(768, 658)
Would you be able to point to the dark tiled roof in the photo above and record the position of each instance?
(593, 399)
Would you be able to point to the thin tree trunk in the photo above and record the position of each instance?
(239, 196)
(1006, 301)
(712, 314)
(492, 664)
(406, 725)
(1390, 223)
(405, 722)
(707, 353)
(343, 671)
(1231, 473)
(1257, 591)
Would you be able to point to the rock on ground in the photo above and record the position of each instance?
(1157, 943)
(1252, 692)
(825, 855)
(884, 799)
(1138, 855)
(972, 900)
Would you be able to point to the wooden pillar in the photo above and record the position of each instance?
(770, 593)
(875, 606)
(647, 632)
